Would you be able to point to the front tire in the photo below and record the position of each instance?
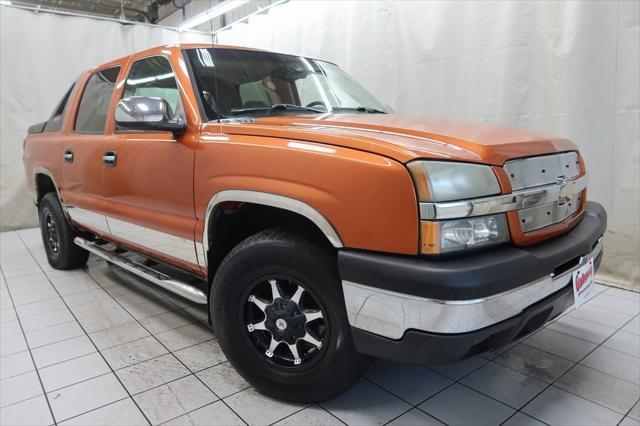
(278, 312)
(57, 235)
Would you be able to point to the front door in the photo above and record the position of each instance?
(148, 176)
(81, 185)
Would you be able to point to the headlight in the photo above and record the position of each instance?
(453, 235)
(441, 181)
(438, 181)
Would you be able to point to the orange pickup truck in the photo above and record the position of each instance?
(322, 228)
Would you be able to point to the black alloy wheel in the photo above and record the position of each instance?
(285, 322)
(51, 233)
(58, 235)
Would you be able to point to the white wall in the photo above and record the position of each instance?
(563, 68)
(41, 54)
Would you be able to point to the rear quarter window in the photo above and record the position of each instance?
(54, 123)
(94, 105)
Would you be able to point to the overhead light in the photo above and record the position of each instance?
(5, 2)
(218, 10)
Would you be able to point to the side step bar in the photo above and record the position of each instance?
(158, 278)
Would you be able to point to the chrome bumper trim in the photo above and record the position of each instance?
(503, 203)
(390, 314)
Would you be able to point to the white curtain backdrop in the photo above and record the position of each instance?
(563, 68)
(558, 67)
(41, 54)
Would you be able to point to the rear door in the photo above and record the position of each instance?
(149, 182)
(82, 187)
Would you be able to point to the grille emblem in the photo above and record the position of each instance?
(567, 190)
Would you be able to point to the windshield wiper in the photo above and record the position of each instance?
(367, 110)
(275, 107)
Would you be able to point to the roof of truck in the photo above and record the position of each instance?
(159, 49)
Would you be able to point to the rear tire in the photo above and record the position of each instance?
(314, 358)
(57, 235)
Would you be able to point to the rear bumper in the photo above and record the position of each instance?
(424, 310)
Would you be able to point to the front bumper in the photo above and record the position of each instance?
(434, 310)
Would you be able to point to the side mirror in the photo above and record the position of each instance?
(147, 113)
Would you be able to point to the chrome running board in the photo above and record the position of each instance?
(158, 278)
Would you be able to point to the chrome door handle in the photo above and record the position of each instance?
(110, 158)
(68, 156)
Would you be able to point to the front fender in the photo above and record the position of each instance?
(367, 199)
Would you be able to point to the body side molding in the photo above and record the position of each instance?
(272, 200)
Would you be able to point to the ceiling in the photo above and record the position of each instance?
(137, 10)
(163, 12)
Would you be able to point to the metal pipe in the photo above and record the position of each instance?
(38, 9)
(100, 18)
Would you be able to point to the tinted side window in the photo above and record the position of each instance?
(94, 105)
(55, 122)
(154, 77)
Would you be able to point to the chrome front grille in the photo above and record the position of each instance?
(559, 169)
(546, 169)
(538, 217)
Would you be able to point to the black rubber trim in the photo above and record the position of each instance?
(430, 348)
(37, 128)
(476, 275)
(194, 87)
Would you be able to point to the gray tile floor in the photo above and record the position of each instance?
(99, 346)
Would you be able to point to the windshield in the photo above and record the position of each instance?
(235, 82)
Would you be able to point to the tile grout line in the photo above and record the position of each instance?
(566, 359)
(172, 354)
(92, 342)
(610, 287)
(629, 411)
(522, 342)
(615, 330)
(50, 326)
(292, 414)
(327, 411)
(99, 407)
(453, 382)
(67, 338)
(46, 397)
(412, 406)
(192, 411)
(571, 368)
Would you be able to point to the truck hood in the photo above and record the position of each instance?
(405, 138)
